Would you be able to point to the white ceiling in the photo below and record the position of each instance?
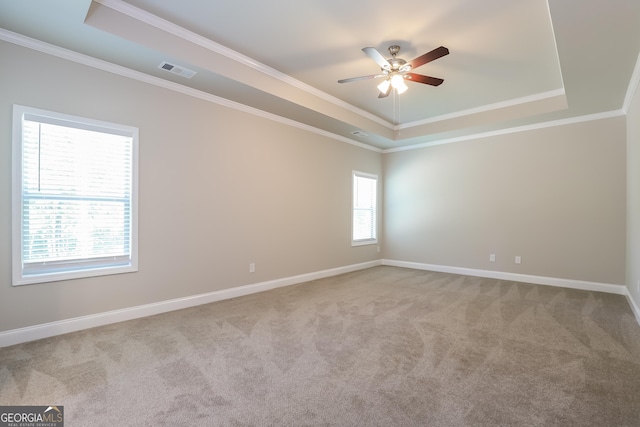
(511, 62)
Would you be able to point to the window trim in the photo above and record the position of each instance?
(19, 273)
(367, 241)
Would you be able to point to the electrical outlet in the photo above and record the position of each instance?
(252, 268)
(638, 286)
(492, 257)
(518, 259)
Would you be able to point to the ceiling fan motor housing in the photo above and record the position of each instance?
(397, 63)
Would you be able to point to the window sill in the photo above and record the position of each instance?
(32, 279)
(364, 242)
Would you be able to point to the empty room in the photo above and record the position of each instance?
(418, 213)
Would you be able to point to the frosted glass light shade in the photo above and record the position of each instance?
(384, 86)
(398, 84)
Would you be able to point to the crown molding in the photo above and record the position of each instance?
(181, 32)
(485, 108)
(535, 126)
(79, 58)
(50, 49)
(633, 87)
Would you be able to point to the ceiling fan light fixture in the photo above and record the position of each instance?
(402, 89)
(384, 86)
(398, 84)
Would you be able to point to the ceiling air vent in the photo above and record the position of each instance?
(175, 69)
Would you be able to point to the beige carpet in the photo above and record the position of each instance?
(380, 347)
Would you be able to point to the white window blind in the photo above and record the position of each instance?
(364, 224)
(74, 199)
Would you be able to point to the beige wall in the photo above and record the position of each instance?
(633, 198)
(554, 196)
(219, 189)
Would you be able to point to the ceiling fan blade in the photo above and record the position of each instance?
(373, 53)
(355, 79)
(419, 78)
(428, 57)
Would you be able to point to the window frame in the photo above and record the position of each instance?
(369, 240)
(88, 267)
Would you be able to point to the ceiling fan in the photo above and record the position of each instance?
(397, 70)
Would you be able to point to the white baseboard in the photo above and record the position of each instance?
(634, 306)
(526, 278)
(538, 280)
(45, 330)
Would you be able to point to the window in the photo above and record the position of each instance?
(74, 197)
(364, 224)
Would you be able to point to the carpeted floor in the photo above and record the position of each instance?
(380, 347)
